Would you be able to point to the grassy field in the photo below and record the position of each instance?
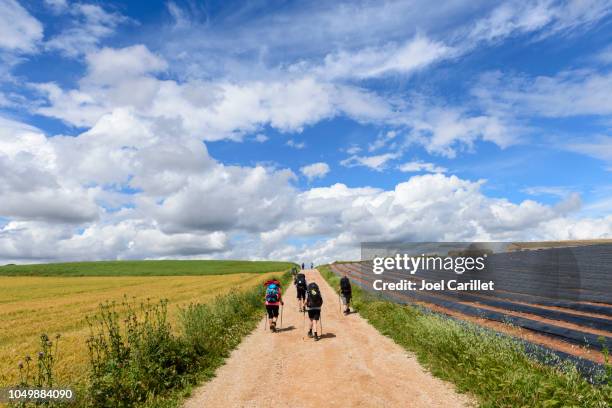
(144, 268)
(31, 305)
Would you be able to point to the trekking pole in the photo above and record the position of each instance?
(339, 305)
(303, 324)
(321, 322)
(282, 308)
(266, 325)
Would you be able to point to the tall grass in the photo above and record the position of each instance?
(139, 360)
(493, 367)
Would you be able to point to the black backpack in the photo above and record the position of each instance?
(314, 296)
(345, 285)
(300, 281)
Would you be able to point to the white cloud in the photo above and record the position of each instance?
(57, 6)
(261, 138)
(19, 30)
(382, 140)
(548, 190)
(569, 93)
(370, 62)
(445, 131)
(419, 166)
(295, 145)
(209, 110)
(599, 147)
(90, 25)
(545, 16)
(376, 162)
(315, 170)
(31, 186)
(188, 205)
(107, 66)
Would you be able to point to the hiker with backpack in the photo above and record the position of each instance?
(273, 300)
(346, 293)
(314, 301)
(294, 274)
(300, 286)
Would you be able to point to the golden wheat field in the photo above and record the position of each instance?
(30, 306)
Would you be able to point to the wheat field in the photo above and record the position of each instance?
(30, 306)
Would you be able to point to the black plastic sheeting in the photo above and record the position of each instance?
(566, 304)
(563, 333)
(590, 370)
(599, 323)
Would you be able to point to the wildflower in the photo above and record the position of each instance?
(20, 365)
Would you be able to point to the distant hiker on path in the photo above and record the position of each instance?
(314, 302)
(300, 286)
(273, 300)
(312, 265)
(346, 293)
(294, 274)
(302, 265)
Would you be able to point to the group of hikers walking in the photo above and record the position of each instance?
(309, 299)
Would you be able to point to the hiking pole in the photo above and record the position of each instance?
(282, 308)
(321, 322)
(339, 305)
(303, 324)
(266, 325)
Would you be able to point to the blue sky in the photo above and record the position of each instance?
(294, 129)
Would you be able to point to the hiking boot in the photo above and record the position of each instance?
(316, 336)
(273, 326)
(310, 333)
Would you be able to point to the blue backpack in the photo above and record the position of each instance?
(272, 293)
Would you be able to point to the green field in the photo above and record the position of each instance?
(144, 268)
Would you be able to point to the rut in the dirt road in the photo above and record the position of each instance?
(352, 365)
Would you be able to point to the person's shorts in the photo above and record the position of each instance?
(314, 314)
(301, 293)
(346, 298)
(272, 311)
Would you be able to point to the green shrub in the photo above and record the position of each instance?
(129, 362)
(140, 361)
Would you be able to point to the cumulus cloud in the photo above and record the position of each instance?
(427, 207)
(315, 170)
(139, 182)
(19, 30)
(186, 204)
(30, 186)
(212, 110)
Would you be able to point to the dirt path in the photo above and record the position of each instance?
(351, 366)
